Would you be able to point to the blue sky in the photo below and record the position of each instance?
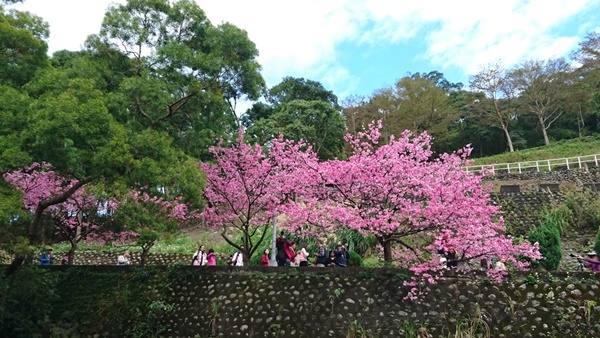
(355, 47)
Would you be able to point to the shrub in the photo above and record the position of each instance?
(372, 262)
(597, 245)
(548, 236)
(355, 259)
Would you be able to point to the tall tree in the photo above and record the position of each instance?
(299, 109)
(542, 87)
(493, 81)
(23, 47)
(182, 64)
(417, 102)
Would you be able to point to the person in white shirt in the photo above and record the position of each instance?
(123, 259)
(238, 258)
(199, 258)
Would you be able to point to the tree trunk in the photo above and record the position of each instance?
(546, 139)
(144, 257)
(33, 230)
(72, 253)
(387, 249)
(246, 257)
(508, 139)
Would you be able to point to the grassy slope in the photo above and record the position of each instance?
(560, 149)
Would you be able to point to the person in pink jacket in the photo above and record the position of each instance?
(210, 258)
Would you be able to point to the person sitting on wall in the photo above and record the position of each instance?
(47, 258)
(340, 256)
(123, 259)
(321, 256)
(65, 260)
(591, 262)
(331, 259)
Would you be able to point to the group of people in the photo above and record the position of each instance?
(450, 260)
(289, 255)
(202, 258)
(47, 258)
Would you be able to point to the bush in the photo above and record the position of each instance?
(355, 259)
(26, 300)
(548, 236)
(372, 262)
(597, 245)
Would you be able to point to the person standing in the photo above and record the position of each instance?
(591, 262)
(500, 265)
(210, 258)
(238, 258)
(288, 248)
(199, 258)
(264, 259)
(282, 258)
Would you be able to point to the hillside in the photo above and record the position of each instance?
(560, 149)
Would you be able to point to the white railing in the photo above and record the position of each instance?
(539, 166)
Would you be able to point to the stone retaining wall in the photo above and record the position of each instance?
(110, 258)
(334, 303)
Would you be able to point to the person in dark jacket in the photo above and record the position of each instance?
(340, 256)
(321, 255)
(282, 258)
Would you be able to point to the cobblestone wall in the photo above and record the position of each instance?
(333, 303)
(110, 258)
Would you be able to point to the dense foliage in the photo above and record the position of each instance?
(548, 236)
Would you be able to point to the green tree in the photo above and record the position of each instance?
(299, 108)
(543, 89)
(182, 67)
(417, 102)
(316, 122)
(22, 47)
(548, 237)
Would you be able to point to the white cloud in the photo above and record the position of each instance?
(304, 38)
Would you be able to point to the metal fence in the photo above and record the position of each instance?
(539, 166)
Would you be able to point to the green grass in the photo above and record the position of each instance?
(179, 243)
(560, 149)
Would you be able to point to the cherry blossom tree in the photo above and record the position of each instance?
(409, 199)
(42, 188)
(75, 217)
(246, 185)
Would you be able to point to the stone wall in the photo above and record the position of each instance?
(110, 258)
(333, 303)
(568, 180)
